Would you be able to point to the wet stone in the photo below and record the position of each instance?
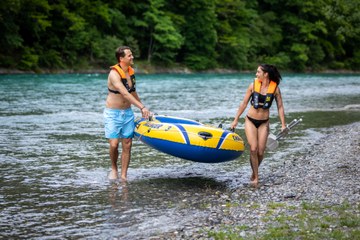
(318, 175)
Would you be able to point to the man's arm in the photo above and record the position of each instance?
(133, 99)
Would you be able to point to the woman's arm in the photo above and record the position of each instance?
(242, 106)
(280, 107)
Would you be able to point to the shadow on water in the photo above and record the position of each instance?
(159, 193)
(142, 207)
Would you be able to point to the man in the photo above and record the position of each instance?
(118, 115)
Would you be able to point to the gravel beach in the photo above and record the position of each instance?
(324, 173)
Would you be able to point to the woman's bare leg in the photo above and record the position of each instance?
(252, 135)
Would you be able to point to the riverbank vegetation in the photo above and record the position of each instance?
(297, 35)
(309, 221)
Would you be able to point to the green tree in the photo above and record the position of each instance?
(23, 31)
(198, 29)
(33, 28)
(11, 39)
(164, 38)
(343, 21)
(202, 34)
(307, 41)
(234, 37)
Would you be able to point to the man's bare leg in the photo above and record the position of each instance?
(114, 154)
(125, 157)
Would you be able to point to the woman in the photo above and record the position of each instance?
(261, 93)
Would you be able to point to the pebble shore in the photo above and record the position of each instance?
(325, 171)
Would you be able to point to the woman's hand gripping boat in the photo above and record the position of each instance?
(189, 139)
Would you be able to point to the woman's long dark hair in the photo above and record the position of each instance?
(274, 74)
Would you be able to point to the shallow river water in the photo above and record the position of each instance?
(54, 158)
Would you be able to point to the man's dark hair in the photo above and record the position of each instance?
(120, 52)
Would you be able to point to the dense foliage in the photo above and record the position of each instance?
(296, 35)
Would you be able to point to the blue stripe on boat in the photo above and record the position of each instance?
(165, 119)
(222, 138)
(184, 133)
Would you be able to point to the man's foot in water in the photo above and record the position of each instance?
(113, 175)
(123, 178)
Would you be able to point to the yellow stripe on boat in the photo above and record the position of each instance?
(161, 131)
(197, 139)
(233, 141)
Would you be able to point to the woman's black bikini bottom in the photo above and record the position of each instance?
(257, 123)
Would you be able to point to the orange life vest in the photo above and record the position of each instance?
(265, 101)
(122, 74)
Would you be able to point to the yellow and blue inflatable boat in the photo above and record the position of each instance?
(189, 139)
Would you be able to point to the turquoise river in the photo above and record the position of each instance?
(54, 157)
